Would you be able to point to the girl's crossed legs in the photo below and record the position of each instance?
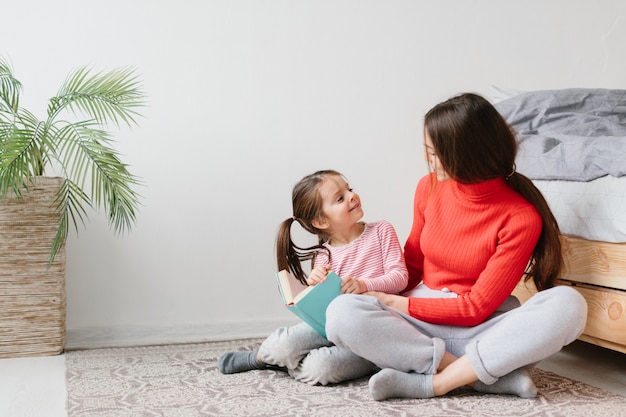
(305, 354)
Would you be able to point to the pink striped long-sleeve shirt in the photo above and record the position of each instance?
(375, 258)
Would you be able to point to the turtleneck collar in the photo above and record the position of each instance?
(481, 190)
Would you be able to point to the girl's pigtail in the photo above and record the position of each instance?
(288, 255)
(283, 244)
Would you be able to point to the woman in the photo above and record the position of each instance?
(478, 227)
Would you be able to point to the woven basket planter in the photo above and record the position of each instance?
(32, 296)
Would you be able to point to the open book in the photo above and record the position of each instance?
(309, 302)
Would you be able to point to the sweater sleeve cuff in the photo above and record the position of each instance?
(412, 307)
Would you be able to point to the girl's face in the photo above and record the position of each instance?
(433, 160)
(341, 206)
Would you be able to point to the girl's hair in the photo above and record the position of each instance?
(307, 206)
(474, 143)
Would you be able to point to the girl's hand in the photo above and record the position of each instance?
(398, 302)
(350, 285)
(318, 274)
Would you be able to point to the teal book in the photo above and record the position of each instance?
(309, 302)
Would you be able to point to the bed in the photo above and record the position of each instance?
(573, 147)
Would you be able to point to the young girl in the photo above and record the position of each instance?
(367, 256)
(478, 227)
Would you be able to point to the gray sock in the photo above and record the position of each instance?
(390, 383)
(517, 383)
(241, 361)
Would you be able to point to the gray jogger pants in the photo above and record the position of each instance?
(311, 358)
(512, 338)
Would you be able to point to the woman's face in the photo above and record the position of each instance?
(433, 161)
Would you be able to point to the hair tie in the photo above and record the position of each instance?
(511, 174)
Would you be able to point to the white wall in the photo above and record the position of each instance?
(246, 97)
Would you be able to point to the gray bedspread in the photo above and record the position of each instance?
(572, 134)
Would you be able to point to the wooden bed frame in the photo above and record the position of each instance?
(598, 271)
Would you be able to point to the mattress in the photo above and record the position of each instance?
(594, 210)
(573, 147)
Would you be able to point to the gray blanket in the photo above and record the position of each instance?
(572, 134)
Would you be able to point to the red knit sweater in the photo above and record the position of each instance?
(474, 240)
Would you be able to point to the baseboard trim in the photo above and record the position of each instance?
(125, 336)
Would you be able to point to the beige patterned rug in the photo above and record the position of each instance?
(183, 380)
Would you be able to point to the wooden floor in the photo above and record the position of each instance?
(35, 387)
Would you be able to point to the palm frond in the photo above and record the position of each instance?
(71, 202)
(88, 149)
(111, 97)
(25, 150)
(9, 89)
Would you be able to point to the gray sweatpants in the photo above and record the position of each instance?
(513, 337)
(311, 358)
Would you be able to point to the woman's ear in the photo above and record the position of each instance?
(320, 223)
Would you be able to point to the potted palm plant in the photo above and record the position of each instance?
(36, 210)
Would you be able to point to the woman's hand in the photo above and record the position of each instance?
(398, 302)
(318, 274)
(350, 285)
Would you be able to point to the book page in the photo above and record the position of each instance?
(290, 287)
(302, 293)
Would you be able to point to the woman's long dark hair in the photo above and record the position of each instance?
(307, 207)
(474, 143)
